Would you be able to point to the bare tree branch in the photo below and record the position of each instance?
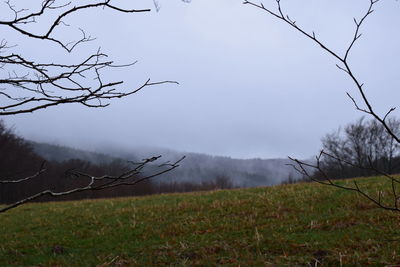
(344, 60)
(365, 146)
(27, 85)
(302, 166)
(306, 168)
(37, 174)
(103, 182)
(48, 5)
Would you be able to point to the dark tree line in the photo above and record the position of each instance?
(17, 159)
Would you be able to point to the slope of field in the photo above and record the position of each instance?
(283, 225)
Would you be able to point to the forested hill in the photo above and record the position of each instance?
(196, 168)
(61, 153)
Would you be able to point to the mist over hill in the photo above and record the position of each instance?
(61, 153)
(196, 168)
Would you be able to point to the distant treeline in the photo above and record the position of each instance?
(18, 160)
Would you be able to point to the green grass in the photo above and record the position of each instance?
(283, 225)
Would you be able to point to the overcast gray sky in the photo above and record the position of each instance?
(250, 86)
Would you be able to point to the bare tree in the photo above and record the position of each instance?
(364, 106)
(28, 85)
(364, 143)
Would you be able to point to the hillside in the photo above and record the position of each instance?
(294, 225)
(196, 168)
(60, 153)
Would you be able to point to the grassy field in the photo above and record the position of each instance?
(291, 225)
